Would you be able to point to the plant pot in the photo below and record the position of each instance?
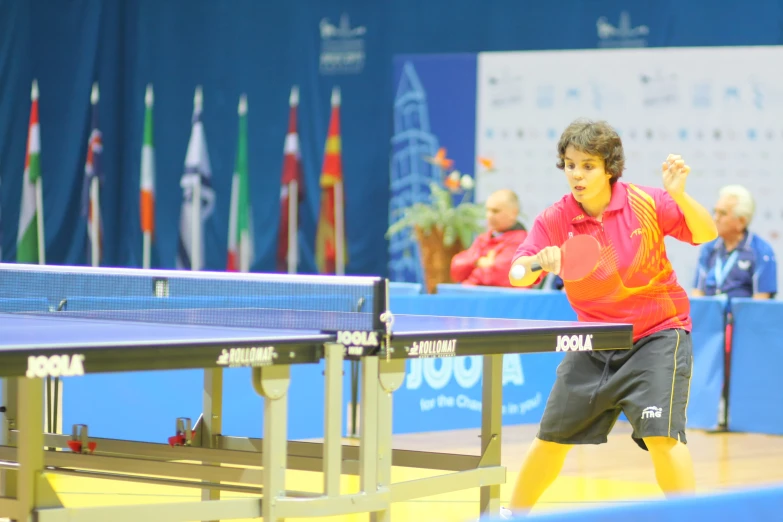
(436, 257)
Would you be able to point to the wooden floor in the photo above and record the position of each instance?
(612, 473)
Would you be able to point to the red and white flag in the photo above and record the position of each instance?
(291, 185)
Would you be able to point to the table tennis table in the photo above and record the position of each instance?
(62, 322)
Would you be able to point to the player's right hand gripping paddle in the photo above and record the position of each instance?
(578, 257)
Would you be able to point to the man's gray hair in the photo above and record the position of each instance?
(745, 206)
(510, 197)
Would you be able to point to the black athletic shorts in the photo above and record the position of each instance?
(650, 383)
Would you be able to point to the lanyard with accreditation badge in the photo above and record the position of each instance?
(721, 270)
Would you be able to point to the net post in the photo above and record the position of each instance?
(380, 303)
(383, 319)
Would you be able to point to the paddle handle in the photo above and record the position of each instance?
(535, 267)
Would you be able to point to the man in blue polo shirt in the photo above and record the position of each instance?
(738, 263)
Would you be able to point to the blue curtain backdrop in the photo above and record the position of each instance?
(263, 48)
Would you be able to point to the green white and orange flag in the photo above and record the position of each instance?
(147, 181)
(240, 221)
(330, 249)
(30, 239)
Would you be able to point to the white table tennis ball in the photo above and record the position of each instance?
(517, 272)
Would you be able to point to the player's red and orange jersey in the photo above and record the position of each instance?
(634, 282)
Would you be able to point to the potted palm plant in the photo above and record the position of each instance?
(442, 227)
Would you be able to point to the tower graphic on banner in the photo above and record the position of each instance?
(410, 174)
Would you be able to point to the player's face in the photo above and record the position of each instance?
(728, 224)
(586, 175)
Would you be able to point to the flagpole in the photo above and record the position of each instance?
(147, 248)
(340, 232)
(95, 201)
(244, 235)
(244, 252)
(40, 221)
(94, 224)
(195, 230)
(233, 225)
(195, 226)
(293, 225)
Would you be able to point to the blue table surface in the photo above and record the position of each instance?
(25, 332)
(411, 325)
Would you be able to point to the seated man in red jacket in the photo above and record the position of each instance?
(488, 260)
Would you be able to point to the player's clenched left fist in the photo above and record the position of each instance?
(675, 172)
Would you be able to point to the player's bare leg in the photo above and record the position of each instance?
(673, 465)
(541, 466)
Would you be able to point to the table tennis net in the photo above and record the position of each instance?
(305, 302)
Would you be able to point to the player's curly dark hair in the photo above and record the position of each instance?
(596, 138)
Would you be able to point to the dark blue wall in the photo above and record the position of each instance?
(262, 48)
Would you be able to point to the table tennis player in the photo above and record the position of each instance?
(630, 281)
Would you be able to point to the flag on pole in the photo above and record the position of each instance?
(147, 182)
(30, 238)
(93, 177)
(240, 225)
(198, 197)
(291, 183)
(330, 251)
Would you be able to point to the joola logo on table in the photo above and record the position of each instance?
(575, 343)
(253, 356)
(357, 338)
(438, 348)
(55, 366)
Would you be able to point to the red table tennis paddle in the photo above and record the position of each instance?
(579, 257)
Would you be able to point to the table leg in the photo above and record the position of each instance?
(33, 488)
(354, 412)
(391, 376)
(8, 477)
(271, 382)
(491, 423)
(212, 418)
(333, 417)
(368, 427)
